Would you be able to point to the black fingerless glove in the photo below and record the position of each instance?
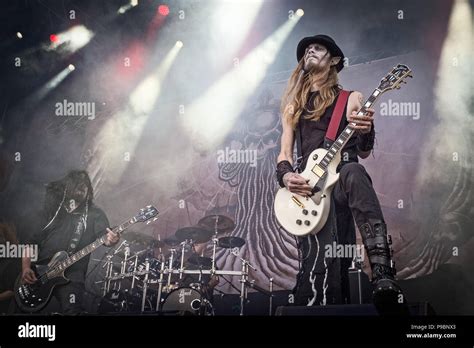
(366, 141)
(283, 167)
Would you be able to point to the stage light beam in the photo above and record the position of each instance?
(230, 23)
(210, 118)
(453, 97)
(123, 131)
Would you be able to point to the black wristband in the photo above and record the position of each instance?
(366, 141)
(283, 167)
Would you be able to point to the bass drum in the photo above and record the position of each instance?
(116, 301)
(186, 301)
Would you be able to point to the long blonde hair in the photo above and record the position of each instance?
(297, 91)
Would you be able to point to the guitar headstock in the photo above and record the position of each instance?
(147, 214)
(395, 78)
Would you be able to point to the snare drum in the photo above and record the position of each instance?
(186, 301)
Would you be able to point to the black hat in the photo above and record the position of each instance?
(324, 40)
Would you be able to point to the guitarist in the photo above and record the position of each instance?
(308, 104)
(71, 221)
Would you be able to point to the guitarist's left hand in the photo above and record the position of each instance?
(112, 238)
(363, 123)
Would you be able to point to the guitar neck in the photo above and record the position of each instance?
(346, 134)
(91, 247)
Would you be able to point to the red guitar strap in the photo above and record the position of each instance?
(337, 115)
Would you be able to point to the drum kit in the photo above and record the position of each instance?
(172, 276)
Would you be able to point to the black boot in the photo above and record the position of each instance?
(387, 294)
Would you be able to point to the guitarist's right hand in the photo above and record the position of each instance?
(297, 184)
(28, 276)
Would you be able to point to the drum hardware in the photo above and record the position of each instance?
(145, 284)
(108, 273)
(270, 310)
(132, 285)
(162, 270)
(243, 283)
(181, 266)
(231, 242)
(160, 286)
(170, 266)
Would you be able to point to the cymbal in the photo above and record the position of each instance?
(231, 242)
(143, 239)
(196, 233)
(204, 262)
(217, 223)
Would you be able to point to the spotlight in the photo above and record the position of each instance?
(71, 67)
(179, 44)
(19, 35)
(299, 12)
(163, 10)
(53, 38)
(134, 2)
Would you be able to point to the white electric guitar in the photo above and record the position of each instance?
(301, 215)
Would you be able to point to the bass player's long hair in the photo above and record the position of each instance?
(58, 191)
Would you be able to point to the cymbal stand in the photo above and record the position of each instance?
(145, 284)
(108, 273)
(270, 310)
(160, 284)
(124, 261)
(215, 240)
(132, 286)
(181, 265)
(244, 282)
(170, 267)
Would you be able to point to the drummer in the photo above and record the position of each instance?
(203, 282)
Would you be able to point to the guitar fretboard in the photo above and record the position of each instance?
(63, 265)
(346, 134)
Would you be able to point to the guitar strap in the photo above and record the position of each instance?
(336, 118)
(331, 133)
(78, 231)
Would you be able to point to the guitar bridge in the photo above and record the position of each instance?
(297, 201)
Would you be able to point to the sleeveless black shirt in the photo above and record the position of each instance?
(313, 132)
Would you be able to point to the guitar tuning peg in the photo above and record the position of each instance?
(154, 219)
(148, 222)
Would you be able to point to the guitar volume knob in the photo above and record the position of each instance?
(314, 212)
(299, 222)
(305, 212)
(307, 222)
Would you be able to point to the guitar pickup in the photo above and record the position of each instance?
(318, 171)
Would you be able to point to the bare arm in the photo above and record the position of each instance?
(287, 142)
(293, 181)
(364, 123)
(28, 276)
(6, 295)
